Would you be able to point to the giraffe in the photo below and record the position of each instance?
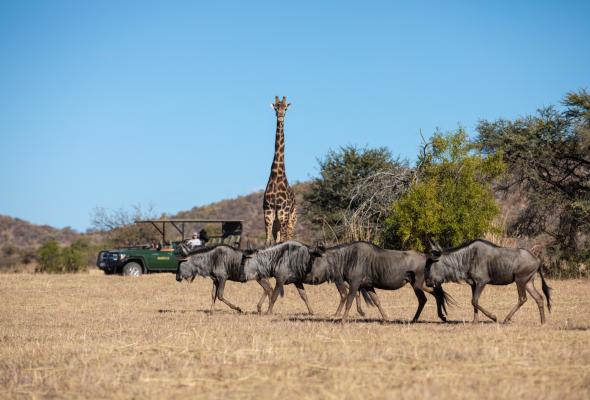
(279, 198)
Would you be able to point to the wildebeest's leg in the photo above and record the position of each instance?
(359, 309)
(421, 302)
(275, 294)
(351, 295)
(441, 298)
(213, 296)
(521, 300)
(303, 295)
(475, 312)
(530, 287)
(343, 292)
(377, 302)
(267, 291)
(220, 288)
(475, 301)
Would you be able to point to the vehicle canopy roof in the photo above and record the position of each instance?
(228, 226)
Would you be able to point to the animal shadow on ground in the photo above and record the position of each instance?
(208, 312)
(568, 327)
(336, 320)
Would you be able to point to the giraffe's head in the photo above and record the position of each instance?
(280, 107)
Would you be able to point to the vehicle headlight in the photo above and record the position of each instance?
(122, 256)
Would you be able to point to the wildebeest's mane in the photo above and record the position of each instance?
(342, 245)
(467, 244)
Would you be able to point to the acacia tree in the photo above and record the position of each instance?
(548, 156)
(452, 198)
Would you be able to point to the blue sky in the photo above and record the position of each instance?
(112, 104)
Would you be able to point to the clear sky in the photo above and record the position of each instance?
(118, 103)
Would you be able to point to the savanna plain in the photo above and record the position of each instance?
(96, 336)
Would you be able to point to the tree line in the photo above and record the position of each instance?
(541, 161)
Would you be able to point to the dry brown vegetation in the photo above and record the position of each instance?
(95, 336)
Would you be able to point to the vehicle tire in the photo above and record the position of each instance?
(132, 269)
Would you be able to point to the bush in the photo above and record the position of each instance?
(71, 258)
(49, 256)
(452, 201)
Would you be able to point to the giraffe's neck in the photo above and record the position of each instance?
(278, 162)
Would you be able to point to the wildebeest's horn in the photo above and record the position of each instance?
(430, 243)
(438, 247)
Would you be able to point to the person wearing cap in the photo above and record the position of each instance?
(195, 241)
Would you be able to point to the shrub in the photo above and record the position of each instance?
(452, 201)
(49, 256)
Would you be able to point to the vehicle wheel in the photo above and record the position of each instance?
(132, 269)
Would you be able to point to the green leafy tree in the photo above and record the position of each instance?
(452, 201)
(548, 155)
(330, 194)
(49, 256)
(74, 258)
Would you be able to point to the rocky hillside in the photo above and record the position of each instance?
(22, 234)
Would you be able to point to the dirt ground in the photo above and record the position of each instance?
(96, 336)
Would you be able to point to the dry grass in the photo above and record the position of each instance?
(80, 336)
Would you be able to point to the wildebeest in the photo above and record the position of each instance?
(480, 263)
(288, 262)
(221, 263)
(365, 266)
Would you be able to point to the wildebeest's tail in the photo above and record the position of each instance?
(367, 298)
(282, 291)
(546, 288)
(443, 298)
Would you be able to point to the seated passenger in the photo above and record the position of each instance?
(195, 241)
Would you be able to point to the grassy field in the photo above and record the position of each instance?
(89, 335)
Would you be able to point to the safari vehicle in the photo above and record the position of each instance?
(137, 260)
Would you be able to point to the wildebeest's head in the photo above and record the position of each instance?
(433, 275)
(250, 265)
(319, 265)
(185, 271)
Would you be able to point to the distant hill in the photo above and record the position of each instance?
(23, 234)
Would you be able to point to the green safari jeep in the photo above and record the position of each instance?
(137, 260)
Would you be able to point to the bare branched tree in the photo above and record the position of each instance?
(119, 225)
(371, 200)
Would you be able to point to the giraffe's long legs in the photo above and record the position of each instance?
(269, 218)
